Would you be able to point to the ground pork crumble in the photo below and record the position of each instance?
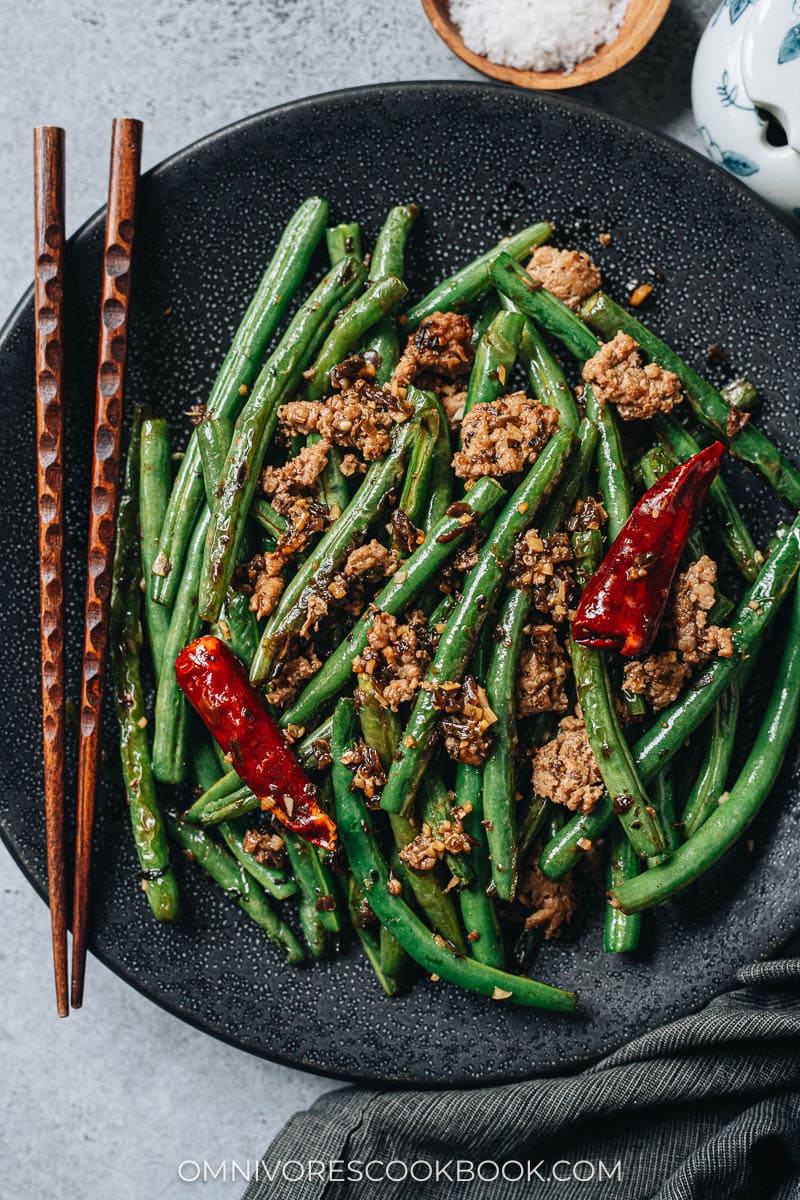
(431, 845)
(358, 415)
(565, 770)
(368, 773)
(570, 275)
(553, 902)
(296, 667)
(543, 670)
(466, 719)
(298, 477)
(265, 847)
(397, 656)
(504, 437)
(544, 565)
(620, 376)
(588, 514)
(345, 589)
(438, 355)
(290, 489)
(693, 642)
(262, 577)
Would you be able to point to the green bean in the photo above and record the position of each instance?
(314, 879)
(273, 296)
(485, 313)
(331, 551)
(494, 359)
(613, 757)
(388, 253)
(549, 313)
(463, 628)
(531, 824)
(231, 876)
(733, 530)
(384, 341)
(392, 956)
(371, 943)
(470, 283)
(357, 319)
(437, 807)
(305, 749)
(342, 241)
(749, 444)
(478, 911)
(440, 544)
(332, 484)
(615, 487)
(172, 707)
(158, 880)
(561, 504)
(381, 730)
(388, 258)
(155, 481)
(220, 789)
(441, 487)
(263, 512)
(676, 724)
(422, 460)
(237, 625)
(662, 797)
(730, 818)
(256, 423)
(621, 932)
(213, 439)
(274, 880)
(721, 741)
(546, 377)
(226, 808)
(318, 940)
(499, 792)
(370, 871)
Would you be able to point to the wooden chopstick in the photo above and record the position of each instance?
(126, 144)
(48, 182)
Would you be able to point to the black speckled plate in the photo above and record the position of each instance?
(483, 161)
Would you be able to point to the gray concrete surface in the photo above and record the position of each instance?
(111, 1101)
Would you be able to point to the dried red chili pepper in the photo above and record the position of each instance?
(624, 602)
(217, 685)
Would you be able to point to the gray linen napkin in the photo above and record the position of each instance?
(706, 1107)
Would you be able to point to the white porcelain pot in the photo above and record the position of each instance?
(747, 69)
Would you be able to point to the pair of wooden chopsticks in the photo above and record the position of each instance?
(111, 359)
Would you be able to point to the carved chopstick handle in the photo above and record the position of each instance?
(48, 173)
(112, 353)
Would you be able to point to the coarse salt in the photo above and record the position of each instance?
(538, 35)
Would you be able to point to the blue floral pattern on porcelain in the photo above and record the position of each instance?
(746, 96)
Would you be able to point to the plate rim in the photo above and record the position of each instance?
(739, 193)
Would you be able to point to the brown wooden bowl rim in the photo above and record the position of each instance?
(599, 66)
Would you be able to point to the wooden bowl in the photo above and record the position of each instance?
(641, 21)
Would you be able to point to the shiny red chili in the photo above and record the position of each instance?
(216, 683)
(624, 602)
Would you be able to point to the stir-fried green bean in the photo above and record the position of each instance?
(471, 282)
(158, 880)
(732, 816)
(481, 589)
(748, 444)
(272, 299)
(256, 423)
